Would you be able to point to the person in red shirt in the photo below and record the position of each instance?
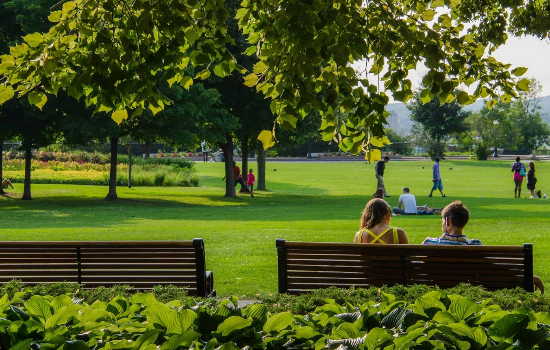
(250, 179)
(239, 179)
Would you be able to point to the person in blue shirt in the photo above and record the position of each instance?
(437, 179)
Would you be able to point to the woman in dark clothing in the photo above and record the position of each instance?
(531, 179)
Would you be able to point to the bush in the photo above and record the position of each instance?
(433, 320)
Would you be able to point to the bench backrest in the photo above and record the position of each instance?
(141, 264)
(304, 266)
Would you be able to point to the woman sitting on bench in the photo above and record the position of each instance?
(375, 225)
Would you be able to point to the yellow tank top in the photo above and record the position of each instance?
(379, 237)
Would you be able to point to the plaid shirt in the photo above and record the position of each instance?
(447, 239)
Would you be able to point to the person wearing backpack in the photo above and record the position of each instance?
(519, 173)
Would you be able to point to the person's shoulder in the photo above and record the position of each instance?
(431, 241)
(474, 241)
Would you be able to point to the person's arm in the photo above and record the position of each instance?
(399, 204)
(538, 284)
(403, 239)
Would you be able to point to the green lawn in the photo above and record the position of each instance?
(318, 201)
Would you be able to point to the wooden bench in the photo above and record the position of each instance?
(305, 266)
(141, 264)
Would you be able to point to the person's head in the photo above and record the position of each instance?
(234, 163)
(455, 214)
(375, 212)
(518, 159)
(531, 165)
(250, 171)
(379, 193)
(386, 159)
(406, 190)
(437, 159)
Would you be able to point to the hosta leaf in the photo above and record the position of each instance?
(529, 338)
(61, 301)
(95, 315)
(349, 317)
(233, 323)
(306, 332)
(146, 338)
(229, 346)
(278, 322)
(404, 342)
(39, 307)
(428, 306)
(444, 317)
(462, 329)
(347, 344)
(62, 316)
(543, 317)
(346, 330)
(144, 299)
(463, 308)
(75, 345)
(4, 300)
(159, 313)
(508, 326)
(376, 337)
(181, 321)
(22, 345)
(184, 339)
(258, 312)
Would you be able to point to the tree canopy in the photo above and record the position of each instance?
(113, 54)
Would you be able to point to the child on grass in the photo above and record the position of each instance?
(250, 179)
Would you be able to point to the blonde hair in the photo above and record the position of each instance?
(375, 211)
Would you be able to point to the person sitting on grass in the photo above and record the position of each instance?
(375, 225)
(408, 201)
(239, 179)
(6, 183)
(455, 216)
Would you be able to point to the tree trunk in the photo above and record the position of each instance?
(227, 148)
(309, 146)
(129, 165)
(244, 165)
(260, 158)
(147, 149)
(1, 166)
(112, 178)
(27, 186)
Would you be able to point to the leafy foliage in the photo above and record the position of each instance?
(435, 320)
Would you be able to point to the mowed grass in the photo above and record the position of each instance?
(315, 201)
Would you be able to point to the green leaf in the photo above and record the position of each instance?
(186, 82)
(463, 308)
(428, 15)
(6, 93)
(519, 71)
(233, 323)
(159, 313)
(33, 40)
(278, 322)
(267, 138)
(61, 301)
(185, 339)
(203, 75)
(508, 326)
(257, 312)
(306, 333)
(55, 16)
(39, 307)
(480, 51)
(542, 317)
(250, 80)
(119, 116)
(76, 345)
(62, 316)
(373, 155)
(523, 84)
(444, 317)
(181, 321)
(19, 50)
(38, 99)
(379, 141)
(145, 339)
(376, 337)
(229, 346)
(144, 299)
(22, 345)
(260, 67)
(463, 97)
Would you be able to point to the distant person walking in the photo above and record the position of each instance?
(531, 179)
(250, 179)
(519, 173)
(379, 168)
(436, 178)
(205, 149)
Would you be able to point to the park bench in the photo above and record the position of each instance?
(305, 266)
(141, 264)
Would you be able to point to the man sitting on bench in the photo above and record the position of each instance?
(454, 217)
